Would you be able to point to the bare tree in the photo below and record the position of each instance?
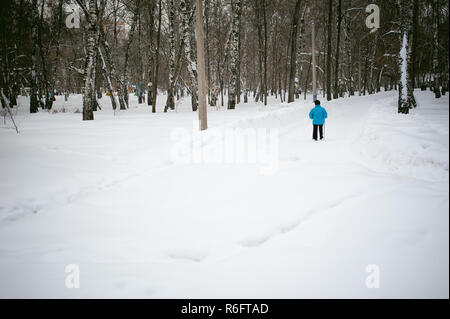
(189, 49)
(405, 92)
(171, 13)
(201, 67)
(150, 51)
(436, 51)
(156, 65)
(329, 33)
(34, 96)
(232, 92)
(89, 97)
(293, 63)
(338, 48)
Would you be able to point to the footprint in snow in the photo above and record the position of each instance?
(255, 241)
(194, 255)
(258, 240)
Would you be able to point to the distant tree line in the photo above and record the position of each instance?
(253, 49)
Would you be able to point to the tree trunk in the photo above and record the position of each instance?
(44, 57)
(405, 93)
(150, 51)
(238, 62)
(295, 18)
(56, 43)
(372, 64)
(236, 7)
(34, 100)
(107, 75)
(123, 92)
(141, 73)
(170, 101)
(313, 60)
(301, 48)
(201, 67)
(265, 50)
(338, 43)
(89, 98)
(110, 74)
(208, 66)
(156, 67)
(349, 51)
(436, 51)
(415, 34)
(186, 10)
(359, 68)
(260, 49)
(328, 78)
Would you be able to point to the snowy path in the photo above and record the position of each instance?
(104, 195)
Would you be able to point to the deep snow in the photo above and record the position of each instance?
(105, 195)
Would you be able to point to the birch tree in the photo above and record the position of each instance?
(406, 94)
(170, 104)
(109, 72)
(189, 48)
(201, 64)
(89, 97)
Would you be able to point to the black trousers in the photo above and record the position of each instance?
(315, 128)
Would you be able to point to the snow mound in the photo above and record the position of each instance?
(414, 145)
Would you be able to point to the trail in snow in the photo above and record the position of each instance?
(105, 195)
(254, 242)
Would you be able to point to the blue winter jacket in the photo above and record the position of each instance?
(318, 114)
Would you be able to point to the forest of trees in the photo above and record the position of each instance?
(252, 49)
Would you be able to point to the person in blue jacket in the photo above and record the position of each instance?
(318, 114)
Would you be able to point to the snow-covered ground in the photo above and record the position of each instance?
(107, 196)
